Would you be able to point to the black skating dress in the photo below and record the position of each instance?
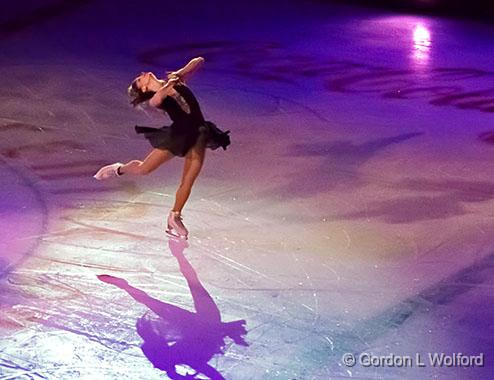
(188, 125)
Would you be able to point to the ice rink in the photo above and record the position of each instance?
(353, 212)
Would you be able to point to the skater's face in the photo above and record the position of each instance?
(143, 88)
(143, 81)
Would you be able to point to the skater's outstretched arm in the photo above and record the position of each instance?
(184, 73)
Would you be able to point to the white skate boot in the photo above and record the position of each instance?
(108, 171)
(175, 226)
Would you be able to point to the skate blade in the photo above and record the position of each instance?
(101, 175)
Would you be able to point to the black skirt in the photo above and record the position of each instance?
(179, 139)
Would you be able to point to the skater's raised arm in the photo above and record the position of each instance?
(185, 72)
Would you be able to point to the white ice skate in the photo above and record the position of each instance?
(175, 226)
(108, 171)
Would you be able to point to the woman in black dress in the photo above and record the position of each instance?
(188, 136)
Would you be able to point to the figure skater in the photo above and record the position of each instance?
(188, 136)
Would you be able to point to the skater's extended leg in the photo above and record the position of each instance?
(154, 159)
(150, 163)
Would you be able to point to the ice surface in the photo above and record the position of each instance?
(352, 212)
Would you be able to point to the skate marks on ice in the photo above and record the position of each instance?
(174, 337)
(455, 306)
(60, 164)
(441, 200)
(57, 334)
(487, 137)
(39, 176)
(24, 217)
(271, 61)
(337, 164)
(64, 307)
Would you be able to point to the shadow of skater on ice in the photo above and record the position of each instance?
(175, 336)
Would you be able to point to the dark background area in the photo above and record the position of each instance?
(474, 9)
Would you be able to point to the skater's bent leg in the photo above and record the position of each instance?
(192, 167)
(150, 163)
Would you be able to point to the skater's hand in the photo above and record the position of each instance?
(172, 81)
(120, 282)
(188, 69)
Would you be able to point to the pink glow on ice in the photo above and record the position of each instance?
(400, 34)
